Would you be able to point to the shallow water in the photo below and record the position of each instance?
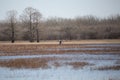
(65, 72)
(80, 56)
(61, 73)
(51, 49)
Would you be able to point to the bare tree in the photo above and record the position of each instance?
(36, 21)
(11, 16)
(31, 18)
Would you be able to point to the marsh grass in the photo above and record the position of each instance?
(116, 67)
(77, 65)
(36, 49)
(26, 63)
(57, 64)
(44, 63)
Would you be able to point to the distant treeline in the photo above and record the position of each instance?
(30, 26)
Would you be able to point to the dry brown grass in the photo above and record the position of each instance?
(26, 63)
(98, 41)
(39, 63)
(77, 65)
(117, 67)
(33, 63)
(104, 41)
(36, 49)
(57, 64)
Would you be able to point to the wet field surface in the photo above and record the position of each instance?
(84, 62)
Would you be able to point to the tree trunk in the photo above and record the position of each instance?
(13, 38)
(38, 40)
(13, 33)
(31, 31)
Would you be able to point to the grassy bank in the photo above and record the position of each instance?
(104, 41)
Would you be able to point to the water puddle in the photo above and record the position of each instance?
(77, 56)
(51, 49)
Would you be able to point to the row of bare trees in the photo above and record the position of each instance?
(29, 26)
(30, 18)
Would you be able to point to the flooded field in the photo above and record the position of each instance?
(65, 62)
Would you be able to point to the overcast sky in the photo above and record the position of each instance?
(63, 8)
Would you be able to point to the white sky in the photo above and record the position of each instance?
(63, 8)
